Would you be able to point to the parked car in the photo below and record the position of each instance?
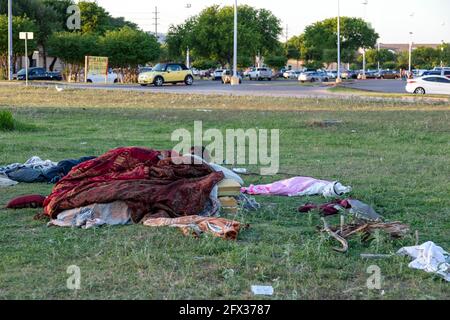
(217, 75)
(292, 74)
(313, 76)
(260, 74)
(227, 75)
(332, 74)
(429, 85)
(167, 73)
(145, 69)
(419, 72)
(38, 74)
(349, 74)
(443, 72)
(441, 68)
(247, 71)
(388, 74)
(370, 74)
(112, 77)
(195, 72)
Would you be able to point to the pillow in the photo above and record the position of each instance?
(30, 201)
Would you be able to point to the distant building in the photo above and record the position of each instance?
(402, 47)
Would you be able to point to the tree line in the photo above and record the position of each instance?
(101, 34)
(208, 36)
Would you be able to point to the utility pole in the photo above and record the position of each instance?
(235, 78)
(287, 33)
(410, 54)
(338, 78)
(378, 56)
(10, 41)
(155, 23)
(364, 3)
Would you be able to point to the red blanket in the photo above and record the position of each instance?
(137, 176)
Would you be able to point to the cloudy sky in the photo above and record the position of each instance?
(429, 20)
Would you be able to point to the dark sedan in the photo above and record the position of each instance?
(38, 74)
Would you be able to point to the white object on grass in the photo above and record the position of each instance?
(262, 290)
(428, 257)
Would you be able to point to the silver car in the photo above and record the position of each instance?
(313, 76)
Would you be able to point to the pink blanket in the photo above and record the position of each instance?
(299, 186)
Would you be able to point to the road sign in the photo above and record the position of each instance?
(26, 35)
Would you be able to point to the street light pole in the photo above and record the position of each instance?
(235, 79)
(338, 78)
(10, 41)
(410, 54)
(378, 56)
(365, 3)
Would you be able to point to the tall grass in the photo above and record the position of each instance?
(7, 122)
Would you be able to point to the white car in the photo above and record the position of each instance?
(291, 74)
(260, 74)
(429, 85)
(217, 75)
(100, 78)
(313, 76)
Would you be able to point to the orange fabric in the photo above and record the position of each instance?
(196, 225)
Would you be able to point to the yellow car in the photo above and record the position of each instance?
(167, 73)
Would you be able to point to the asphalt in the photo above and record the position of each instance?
(275, 88)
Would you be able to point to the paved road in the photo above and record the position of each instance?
(276, 88)
(385, 86)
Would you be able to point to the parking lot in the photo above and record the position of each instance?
(276, 88)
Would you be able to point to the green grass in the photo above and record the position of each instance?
(394, 154)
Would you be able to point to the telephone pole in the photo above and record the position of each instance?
(155, 23)
(287, 33)
(10, 41)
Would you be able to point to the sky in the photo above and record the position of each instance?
(429, 20)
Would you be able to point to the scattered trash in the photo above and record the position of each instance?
(375, 256)
(428, 257)
(262, 290)
(325, 123)
(341, 234)
(358, 209)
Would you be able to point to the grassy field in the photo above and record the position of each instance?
(394, 154)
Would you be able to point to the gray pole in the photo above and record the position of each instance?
(338, 79)
(235, 49)
(26, 59)
(410, 53)
(10, 41)
(378, 56)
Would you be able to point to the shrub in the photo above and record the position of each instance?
(6, 120)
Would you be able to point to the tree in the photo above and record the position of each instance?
(19, 24)
(71, 48)
(445, 53)
(45, 18)
(425, 58)
(276, 62)
(95, 19)
(373, 56)
(129, 48)
(320, 39)
(209, 35)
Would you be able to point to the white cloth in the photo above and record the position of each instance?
(229, 174)
(6, 182)
(428, 257)
(33, 163)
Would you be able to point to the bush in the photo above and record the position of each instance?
(6, 120)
